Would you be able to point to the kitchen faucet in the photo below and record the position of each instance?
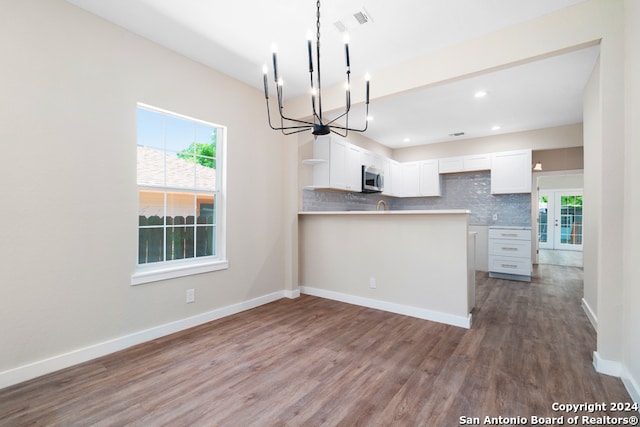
(381, 202)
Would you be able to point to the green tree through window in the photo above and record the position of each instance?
(201, 153)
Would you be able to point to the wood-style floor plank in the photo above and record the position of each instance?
(313, 362)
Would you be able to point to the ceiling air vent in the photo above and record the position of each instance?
(361, 16)
(353, 20)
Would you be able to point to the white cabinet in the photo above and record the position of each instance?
(451, 165)
(329, 157)
(511, 172)
(392, 178)
(476, 162)
(510, 253)
(337, 164)
(419, 179)
(353, 168)
(410, 179)
(429, 178)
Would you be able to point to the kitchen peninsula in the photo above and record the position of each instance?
(410, 262)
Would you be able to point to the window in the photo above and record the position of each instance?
(180, 198)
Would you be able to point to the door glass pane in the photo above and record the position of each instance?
(543, 225)
(571, 220)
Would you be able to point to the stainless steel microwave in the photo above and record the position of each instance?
(372, 180)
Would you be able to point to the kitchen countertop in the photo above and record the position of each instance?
(391, 212)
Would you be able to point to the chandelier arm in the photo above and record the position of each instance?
(343, 135)
(306, 128)
(306, 125)
(366, 125)
(282, 116)
(339, 117)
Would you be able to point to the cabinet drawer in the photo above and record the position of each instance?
(501, 233)
(510, 248)
(510, 265)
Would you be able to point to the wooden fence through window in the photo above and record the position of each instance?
(180, 233)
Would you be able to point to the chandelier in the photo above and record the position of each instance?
(319, 124)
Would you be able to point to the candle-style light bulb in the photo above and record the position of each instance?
(274, 49)
(346, 51)
(309, 49)
(367, 77)
(265, 70)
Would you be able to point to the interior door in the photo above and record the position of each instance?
(568, 220)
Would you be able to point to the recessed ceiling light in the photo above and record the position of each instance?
(480, 94)
(369, 118)
(406, 140)
(496, 127)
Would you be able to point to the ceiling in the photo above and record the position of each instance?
(236, 38)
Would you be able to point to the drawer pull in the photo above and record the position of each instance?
(509, 234)
(504, 248)
(509, 265)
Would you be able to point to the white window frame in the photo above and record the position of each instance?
(163, 270)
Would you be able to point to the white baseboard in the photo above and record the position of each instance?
(617, 369)
(292, 293)
(52, 364)
(421, 313)
(631, 385)
(607, 367)
(590, 314)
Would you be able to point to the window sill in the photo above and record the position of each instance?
(149, 274)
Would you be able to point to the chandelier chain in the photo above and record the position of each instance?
(318, 23)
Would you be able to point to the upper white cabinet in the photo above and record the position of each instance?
(477, 162)
(393, 178)
(420, 179)
(429, 178)
(353, 165)
(410, 179)
(511, 172)
(451, 165)
(337, 164)
(330, 159)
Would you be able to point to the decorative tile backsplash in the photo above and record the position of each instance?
(471, 190)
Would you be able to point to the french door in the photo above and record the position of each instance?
(560, 219)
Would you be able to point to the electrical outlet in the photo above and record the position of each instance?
(191, 295)
(372, 282)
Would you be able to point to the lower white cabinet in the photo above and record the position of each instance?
(510, 253)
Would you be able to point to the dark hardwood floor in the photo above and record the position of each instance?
(311, 361)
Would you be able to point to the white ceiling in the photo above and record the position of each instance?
(236, 37)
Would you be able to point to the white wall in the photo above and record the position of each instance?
(631, 250)
(70, 82)
(592, 188)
